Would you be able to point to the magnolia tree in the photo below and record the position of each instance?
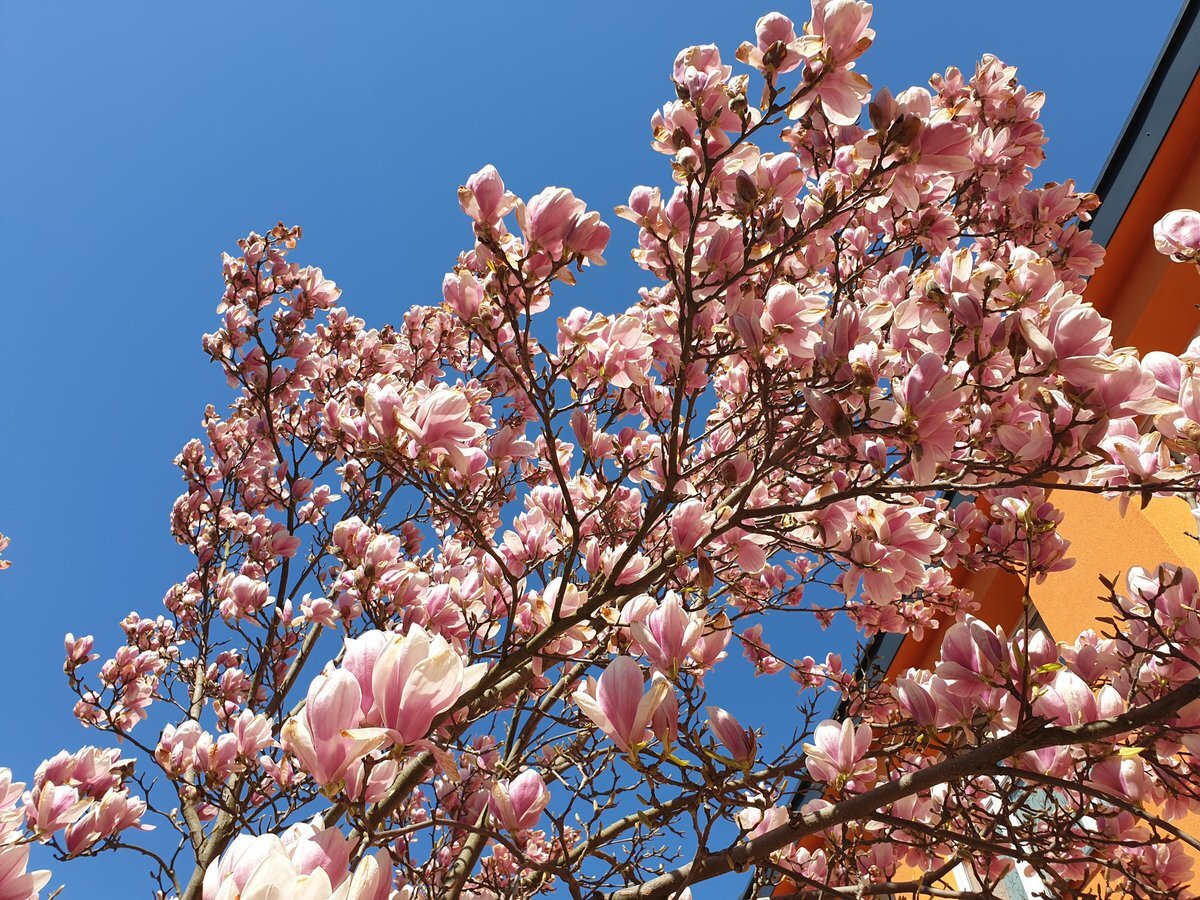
(462, 585)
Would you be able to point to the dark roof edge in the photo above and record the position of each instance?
(1147, 125)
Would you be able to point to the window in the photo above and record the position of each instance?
(1014, 886)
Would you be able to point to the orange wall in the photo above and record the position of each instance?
(1152, 304)
(1104, 543)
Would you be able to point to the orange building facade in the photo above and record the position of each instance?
(1152, 302)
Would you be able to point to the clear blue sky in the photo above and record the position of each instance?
(140, 139)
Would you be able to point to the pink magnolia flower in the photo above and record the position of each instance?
(890, 548)
(545, 219)
(836, 754)
(843, 27)
(50, 807)
(971, 654)
(623, 352)
(371, 880)
(668, 634)
(10, 798)
(928, 400)
(1167, 371)
(15, 882)
(312, 846)
(359, 660)
(442, 424)
(698, 70)
(556, 220)
(1127, 778)
(319, 290)
(484, 198)
(586, 236)
(517, 804)
(384, 408)
(416, 678)
(241, 597)
(226, 879)
(664, 724)
(266, 867)
(710, 647)
(1067, 701)
(619, 703)
(1177, 235)
(319, 737)
(747, 548)
(79, 651)
(690, 522)
(776, 47)
(916, 700)
(791, 319)
(115, 812)
(943, 147)
(741, 743)
(838, 32)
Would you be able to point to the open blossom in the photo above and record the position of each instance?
(242, 596)
(776, 47)
(415, 678)
(319, 735)
(15, 882)
(555, 220)
(668, 634)
(115, 812)
(188, 747)
(51, 807)
(359, 660)
(837, 751)
(484, 198)
(790, 318)
(79, 651)
(441, 424)
(1177, 235)
(917, 700)
(517, 804)
(1068, 700)
(307, 863)
(690, 522)
(710, 646)
(1126, 778)
(927, 402)
(620, 704)
(972, 652)
(839, 34)
(843, 28)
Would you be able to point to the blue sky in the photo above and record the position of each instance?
(143, 138)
